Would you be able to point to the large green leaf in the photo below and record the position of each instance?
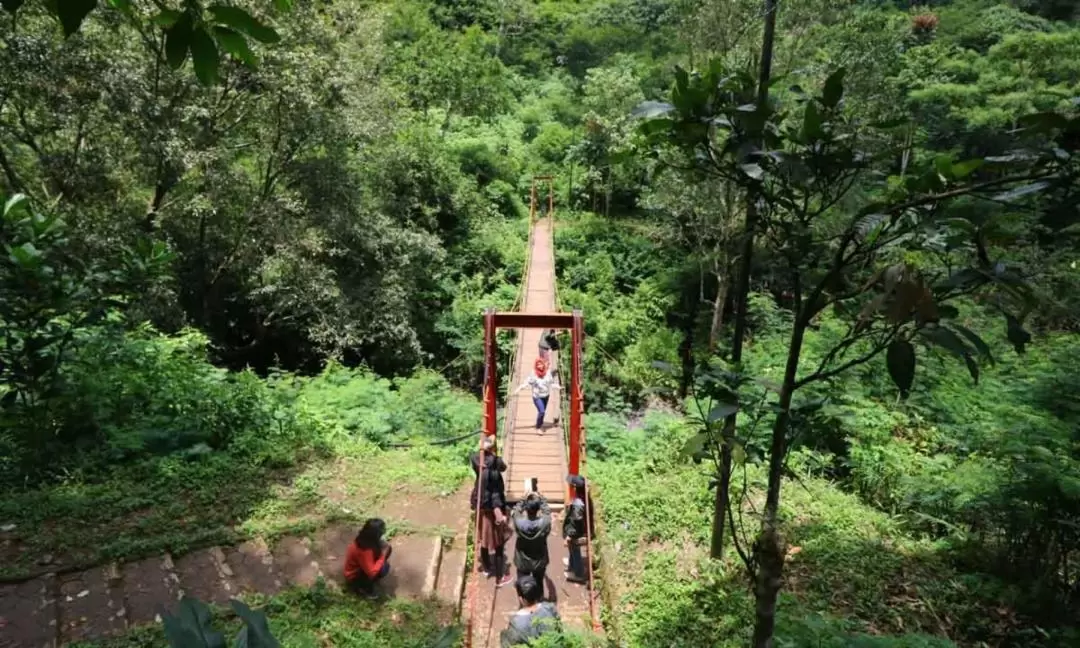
(166, 17)
(651, 109)
(192, 628)
(178, 41)
(811, 130)
(16, 204)
(242, 21)
(204, 56)
(834, 88)
(122, 5)
(966, 168)
(445, 638)
(695, 445)
(900, 360)
(722, 411)
(72, 13)
(1022, 191)
(980, 345)
(952, 343)
(235, 44)
(256, 630)
(1016, 333)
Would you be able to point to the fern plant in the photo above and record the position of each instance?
(192, 627)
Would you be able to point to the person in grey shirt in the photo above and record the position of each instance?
(536, 616)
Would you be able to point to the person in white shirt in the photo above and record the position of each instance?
(542, 382)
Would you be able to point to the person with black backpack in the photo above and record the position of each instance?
(549, 342)
(488, 499)
(532, 524)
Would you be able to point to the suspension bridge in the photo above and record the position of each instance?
(549, 456)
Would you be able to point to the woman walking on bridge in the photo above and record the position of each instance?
(542, 382)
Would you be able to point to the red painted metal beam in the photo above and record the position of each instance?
(534, 320)
(577, 400)
(491, 380)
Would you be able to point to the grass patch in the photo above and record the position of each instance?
(328, 468)
(855, 576)
(319, 617)
(178, 506)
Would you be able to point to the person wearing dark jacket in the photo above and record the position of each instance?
(548, 342)
(536, 616)
(532, 524)
(494, 529)
(574, 530)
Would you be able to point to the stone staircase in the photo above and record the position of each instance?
(57, 609)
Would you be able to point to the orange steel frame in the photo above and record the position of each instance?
(575, 323)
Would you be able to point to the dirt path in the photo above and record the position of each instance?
(57, 609)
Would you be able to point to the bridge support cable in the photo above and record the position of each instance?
(572, 444)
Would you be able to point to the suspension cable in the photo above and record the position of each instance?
(565, 406)
(474, 584)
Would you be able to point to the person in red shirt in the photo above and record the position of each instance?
(367, 560)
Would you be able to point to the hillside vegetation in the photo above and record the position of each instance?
(831, 302)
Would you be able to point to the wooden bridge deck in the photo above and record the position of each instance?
(529, 454)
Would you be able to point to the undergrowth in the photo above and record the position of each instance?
(317, 452)
(856, 576)
(320, 616)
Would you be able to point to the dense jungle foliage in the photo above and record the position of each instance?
(831, 334)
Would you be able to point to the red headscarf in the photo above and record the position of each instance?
(541, 367)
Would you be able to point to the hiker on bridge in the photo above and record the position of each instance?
(536, 616)
(532, 524)
(542, 382)
(367, 560)
(549, 342)
(575, 527)
(494, 525)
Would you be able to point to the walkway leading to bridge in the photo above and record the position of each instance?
(531, 455)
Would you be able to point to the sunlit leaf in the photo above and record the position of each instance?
(1022, 191)
(722, 411)
(16, 202)
(166, 17)
(651, 109)
(753, 170)
(966, 168)
(242, 21)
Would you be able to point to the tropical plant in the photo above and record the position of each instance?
(192, 627)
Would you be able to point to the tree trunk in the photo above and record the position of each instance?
(769, 548)
(686, 349)
(722, 288)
